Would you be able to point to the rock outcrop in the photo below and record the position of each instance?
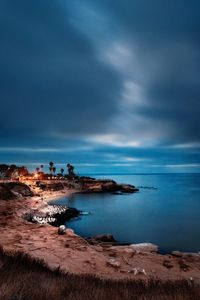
(92, 185)
(12, 190)
(55, 215)
(87, 185)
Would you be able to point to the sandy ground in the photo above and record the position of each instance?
(71, 253)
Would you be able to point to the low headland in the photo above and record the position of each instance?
(29, 228)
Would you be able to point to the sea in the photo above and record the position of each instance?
(165, 211)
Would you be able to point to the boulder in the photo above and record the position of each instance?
(61, 229)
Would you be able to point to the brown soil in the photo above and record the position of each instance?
(73, 254)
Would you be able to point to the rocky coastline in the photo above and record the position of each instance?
(25, 218)
(88, 185)
(56, 215)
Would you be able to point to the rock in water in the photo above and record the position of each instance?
(61, 229)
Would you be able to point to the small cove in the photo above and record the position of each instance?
(166, 211)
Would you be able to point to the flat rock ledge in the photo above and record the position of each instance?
(54, 215)
(92, 185)
(109, 240)
(144, 247)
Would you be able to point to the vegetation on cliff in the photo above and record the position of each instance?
(23, 278)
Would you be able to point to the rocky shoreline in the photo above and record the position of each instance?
(100, 256)
(87, 185)
(56, 215)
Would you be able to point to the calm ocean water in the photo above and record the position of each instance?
(166, 211)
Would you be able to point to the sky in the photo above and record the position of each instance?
(112, 86)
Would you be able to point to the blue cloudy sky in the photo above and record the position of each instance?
(112, 86)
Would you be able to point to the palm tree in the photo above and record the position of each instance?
(51, 166)
(41, 167)
(62, 171)
(54, 170)
(37, 169)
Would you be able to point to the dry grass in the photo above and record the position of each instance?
(24, 279)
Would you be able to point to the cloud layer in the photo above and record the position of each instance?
(103, 77)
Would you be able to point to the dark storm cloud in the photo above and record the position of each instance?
(50, 79)
(100, 78)
(156, 20)
(166, 40)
